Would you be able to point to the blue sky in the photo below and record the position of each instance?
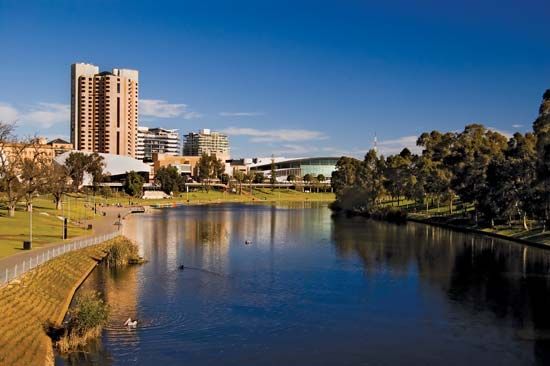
(292, 78)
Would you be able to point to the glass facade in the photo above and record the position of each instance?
(301, 167)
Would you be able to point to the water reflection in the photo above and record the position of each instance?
(477, 274)
(354, 291)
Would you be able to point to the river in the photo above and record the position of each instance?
(309, 289)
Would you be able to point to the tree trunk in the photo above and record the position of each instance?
(525, 226)
(58, 203)
(451, 205)
(427, 205)
(29, 206)
(11, 210)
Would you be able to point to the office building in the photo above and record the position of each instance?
(104, 110)
(207, 142)
(156, 140)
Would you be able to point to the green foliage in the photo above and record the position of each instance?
(169, 180)
(133, 184)
(88, 313)
(209, 168)
(273, 174)
(77, 164)
(291, 178)
(499, 178)
(258, 177)
(106, 191)
(121, 252)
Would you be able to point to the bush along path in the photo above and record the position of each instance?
(40, 299)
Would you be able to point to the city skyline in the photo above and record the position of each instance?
(288, 79)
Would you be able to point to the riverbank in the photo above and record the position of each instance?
(42, 296)
(48, 227)
(47, 223)
(212, 196)
(535, 237)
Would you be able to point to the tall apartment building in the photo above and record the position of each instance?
(206, 141)
(104, 109)
(156, 140)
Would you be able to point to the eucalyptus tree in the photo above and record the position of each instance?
(541, 128)
(12, 154)
(57, 182)
(471, 154)
(433, 169)
(169, 179)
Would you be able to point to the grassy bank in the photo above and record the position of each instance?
(47, 227)
(461, 218)
(215, 196)
(42, 296)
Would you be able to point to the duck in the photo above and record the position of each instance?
(247, 242)
(130, 324)
(181, 267)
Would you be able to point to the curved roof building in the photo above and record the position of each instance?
(116, 166)
(299, 167)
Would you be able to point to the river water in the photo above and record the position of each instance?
(310, 289)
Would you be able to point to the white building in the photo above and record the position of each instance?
(115, 167)
(156, 140)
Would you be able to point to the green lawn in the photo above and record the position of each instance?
(215, 196)
(47, 227)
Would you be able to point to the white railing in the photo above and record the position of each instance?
(33, 261)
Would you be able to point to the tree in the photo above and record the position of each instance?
(344, 175)
(470, 157)
(224, 178)
(239, 176)
(56, 183)
(398, 173)
(359, 185)
(12, 152)
(291, 178)
(308, 178)
(133, 184)
(432, 169)
(541, 128)
(259, 177)
(273, 175)
(94, 167)
(321, 178)
(209, 167)
(32, 174)
(169, 179)
(78, 164)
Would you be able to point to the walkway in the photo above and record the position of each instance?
(101, 226)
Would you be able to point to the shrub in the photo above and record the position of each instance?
(86, 320)
(123, 252)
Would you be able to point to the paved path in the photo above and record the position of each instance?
(102, 225)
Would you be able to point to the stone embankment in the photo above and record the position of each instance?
(42, 296)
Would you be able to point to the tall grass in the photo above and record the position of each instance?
(122, 252)
(86, 320)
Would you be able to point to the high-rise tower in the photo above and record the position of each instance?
(104, 109)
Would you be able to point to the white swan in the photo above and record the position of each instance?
(129, 323)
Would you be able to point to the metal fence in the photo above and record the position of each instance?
(33, 261)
